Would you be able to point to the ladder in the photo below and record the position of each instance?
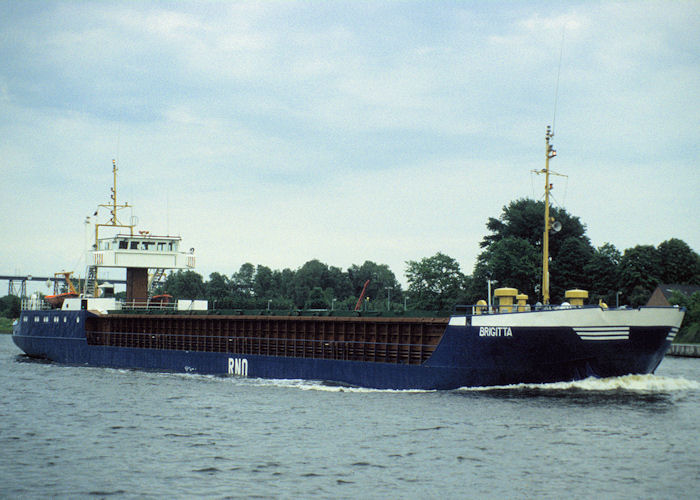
(154, 280)
(90, 282)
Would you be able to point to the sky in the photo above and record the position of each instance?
(280, 132)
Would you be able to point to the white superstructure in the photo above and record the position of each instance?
(142, 251)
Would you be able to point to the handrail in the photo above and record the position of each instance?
(271, 339)
(149, 305)
(34, 304)
(479, 309)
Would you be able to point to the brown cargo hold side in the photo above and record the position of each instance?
(382, 340)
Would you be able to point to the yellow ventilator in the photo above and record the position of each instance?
(505, 297)
(522, 302)
(576, 297)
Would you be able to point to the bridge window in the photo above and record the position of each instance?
(123, 245)
(134, 245)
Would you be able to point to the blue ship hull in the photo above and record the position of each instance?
(466, 355)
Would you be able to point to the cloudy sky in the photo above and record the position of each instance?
(278, 132)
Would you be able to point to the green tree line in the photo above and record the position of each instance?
(315, 285)
(511, 256)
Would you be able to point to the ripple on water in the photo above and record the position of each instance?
(142, 435)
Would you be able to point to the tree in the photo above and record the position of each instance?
(338, 283)
(218, 288)
(263, 285)
(10, 306)
(332, 281)
(567, 272)
(512, 262)
(185, 285)
(434, 282)
(679, 263)
(283, 284)
(380, 278)
(523, 220)
(219, 291)
(604, 274)
(316, 299)
(690, 329)
(243, 281)
(640, 272)
(308, 276)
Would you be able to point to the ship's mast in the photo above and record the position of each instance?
(550, 152)
(113, 207)
(549, 223)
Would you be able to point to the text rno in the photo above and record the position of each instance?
(238, 367)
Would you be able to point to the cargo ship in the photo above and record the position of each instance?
(505, 343)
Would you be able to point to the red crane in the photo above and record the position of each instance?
(362, 296)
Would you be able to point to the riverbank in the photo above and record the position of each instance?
(6, 325)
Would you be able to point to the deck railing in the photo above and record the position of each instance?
(147, 305)
(34, 304)
(348, 350)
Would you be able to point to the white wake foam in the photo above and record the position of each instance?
(311, 385)
(634, 383)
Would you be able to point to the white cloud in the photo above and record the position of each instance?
(280, 132)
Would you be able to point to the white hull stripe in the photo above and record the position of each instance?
(602, 333)
(604, 337)
(672, 334)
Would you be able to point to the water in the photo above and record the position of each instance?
(72, 432)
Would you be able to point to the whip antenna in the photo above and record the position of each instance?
(556, 91)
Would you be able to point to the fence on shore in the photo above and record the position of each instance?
(685, 350)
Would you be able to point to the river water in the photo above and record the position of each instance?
(79, 432)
